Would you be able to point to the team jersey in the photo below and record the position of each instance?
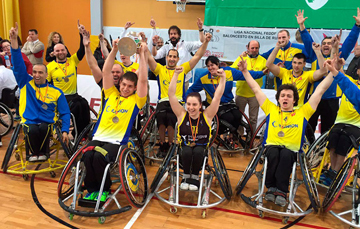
(125, 109)
(302, 83)
(133, 67)
(209, 84)
(39, 103)
(347, 113)
(292, 124)
(203, 131)
(64, 75)
(253, 64)
(164, 76)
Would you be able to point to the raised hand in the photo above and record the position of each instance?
(152, 23)
(101, 37)
(300, 17)
(208, 37)
(81, 28)
(266, 71)
(221, 73)
(316, 47)
(115, 43)
(143, 47)
(14, 31)
(242, 64)
(244, 54)
(178, 69)
(86, 37)
(357, 18)
(143, 37)
(155, 39)
(335, 40)
(128, 24)
(200, 23)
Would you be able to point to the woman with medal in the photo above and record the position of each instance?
(119, 109)
(285, 132)
(194, 128)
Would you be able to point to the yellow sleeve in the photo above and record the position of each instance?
(311, 76)
(75, 59)
(268, 106)
(140, 101)
(186, 66)
(110, 91)
(157, 69)
(118, 62)
(234, 65)
(307, 110)
(283, 72)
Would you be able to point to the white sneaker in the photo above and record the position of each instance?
(0, 143)
(193, 187)
(42, 158)
(33, 158)
(184, 186)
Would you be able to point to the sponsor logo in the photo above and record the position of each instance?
(316, 4)
(274, 124)
(113, 110)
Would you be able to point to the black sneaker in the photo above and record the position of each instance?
(160, 153)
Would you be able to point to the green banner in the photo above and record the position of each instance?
(327, 14)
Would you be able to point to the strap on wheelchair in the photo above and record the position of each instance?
(97, 149)
(353, 140)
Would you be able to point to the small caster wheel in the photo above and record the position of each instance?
(261, 214)
(17, 156)
(151, 162)
(102, 219)
(71, 216)
(25, 177)
(261, 161)
(285, 220)
(204, 213)
(52, 174)
(173, 209)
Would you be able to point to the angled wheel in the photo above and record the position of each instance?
(338, 184)
(135, 137)
(245, 122)
(133, 177)
(148, 134)
(309, 183)
(13, 141)
(214, 130)
(67, 150)
(6, 120)
(67, 178)
(258, 137)
(162, 169)
(84, 137)
(316, 150)
(249, 171)
(221, 173)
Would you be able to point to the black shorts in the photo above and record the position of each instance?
(165, 115)
(339, 138)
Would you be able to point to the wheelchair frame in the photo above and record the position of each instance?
(6, 119)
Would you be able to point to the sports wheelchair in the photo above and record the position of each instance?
(128, 172)
(6, 119)
(171, 167)
(17, 151)
(295, 206)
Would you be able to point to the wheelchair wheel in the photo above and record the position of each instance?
(84, 137)
(316, 151)
(214, 130)
(6, 120)
(67, 178)
(11, 148)
(309, 183)
(258, 137)
(148, 134)
(249, 171)
(162, 169)
(221, 173)
(67, 150)
(245, 122)
(135, 137)
(338, 184)
(133, 177)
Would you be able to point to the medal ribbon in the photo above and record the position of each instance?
(296, 78)
(217, 83)
(40, 96)
(116, 108)
(196, 129)
(251, 63)
(65, 72)
(170, 76)
(286, 54)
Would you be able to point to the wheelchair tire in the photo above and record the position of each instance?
(248, 128)
(315, 153)
(133, 177)
(258, 137)
(338, 184)
(139, 147)
(6, 120)
(67, 178)
(67, 150)
(214, 130)
(309, 182)
(162, 169)
(221, 173)
(10, 149)
(148, 127)
(249, 171)
(84, 137)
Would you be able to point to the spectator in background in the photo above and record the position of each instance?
(33, 48)
(5, 51)
(53, 39)
(102, 51)
(354, 64)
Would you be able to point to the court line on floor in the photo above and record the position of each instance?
(213, 208)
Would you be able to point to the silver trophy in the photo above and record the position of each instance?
(129, 44)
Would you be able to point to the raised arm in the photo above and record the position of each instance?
(108, 80)
(200, 53)
(151, 61)
(94, 67)
(300, 19)
(318, 74)
(259, 94)
(178, 110)
(81, 51)
(212, 109)
(103, 47)
(142, 85)
(201, 30)
(270, 61)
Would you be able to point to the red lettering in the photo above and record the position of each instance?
(94, 102)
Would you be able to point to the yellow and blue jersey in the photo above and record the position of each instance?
(350, 90)
(164, 76)
(33, 97)
(133, 67)
(208, 83)
(64, 75)
(253, 64)
(292, 124)
(125, 109)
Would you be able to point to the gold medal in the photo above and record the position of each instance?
(281, 134)
(192, 144)
(66, 79)
(44, 106)
(115, 119)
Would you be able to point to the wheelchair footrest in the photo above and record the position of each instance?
(89, 203)
(248, 201)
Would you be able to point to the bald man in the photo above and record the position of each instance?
(244, 94)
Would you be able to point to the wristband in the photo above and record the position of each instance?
(357, 25)
(154, 45)
(200, 30)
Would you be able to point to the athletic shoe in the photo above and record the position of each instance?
(184, 185)
(42, 158)
(193, 184)
(103, 196)
(91, 196)
(280, 198)
(269, 195)
(33, 158)
(0, 143)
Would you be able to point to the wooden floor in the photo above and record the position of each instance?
(18, 210)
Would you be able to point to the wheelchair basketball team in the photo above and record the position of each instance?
(49, 96)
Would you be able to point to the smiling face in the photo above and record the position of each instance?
(39, 74)
(56, 38)
(193, 106)
(174, 36)
(60, 52)
(212, 68)
(6, 47)
(253, 48)
(172, 59)
(127, 87)
(326, 46)
(117, 72)
(286, 100)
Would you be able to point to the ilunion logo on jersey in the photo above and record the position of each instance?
(316, 4)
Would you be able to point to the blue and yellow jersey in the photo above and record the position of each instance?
(38, 103)
(133, 67)
(164, 76)
(208, 83)
(292, 124)
(253, 64)
(125, 109)
(302, 83)
(350, 90)
(347, 113)
(64, 75)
